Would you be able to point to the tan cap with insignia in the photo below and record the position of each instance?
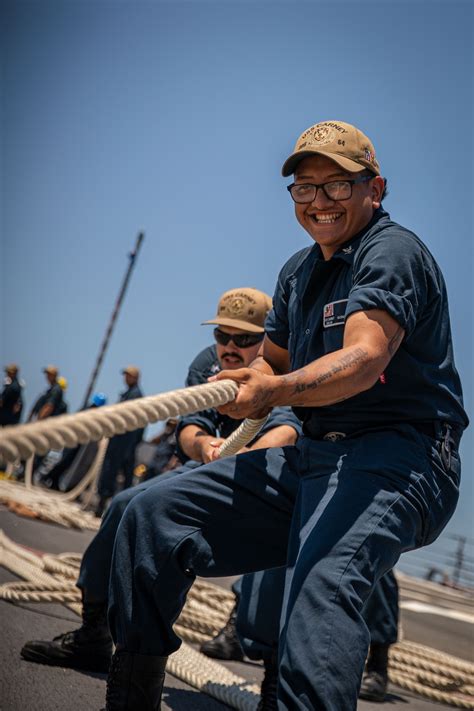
(243, 308)
(339, 141)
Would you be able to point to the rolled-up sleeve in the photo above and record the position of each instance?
(276, 324)
(389, 274)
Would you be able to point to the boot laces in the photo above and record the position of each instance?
(66, 637)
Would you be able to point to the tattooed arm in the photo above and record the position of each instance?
(371, 338)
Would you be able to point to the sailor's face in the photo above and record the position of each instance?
(231, 356)
(329, 222)
(130, 379)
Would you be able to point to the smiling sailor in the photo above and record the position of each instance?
(359, 344)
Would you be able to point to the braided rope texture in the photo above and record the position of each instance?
(419, 669)
(241, 436)
(22, 441)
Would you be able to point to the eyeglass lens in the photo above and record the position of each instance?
(336, 190)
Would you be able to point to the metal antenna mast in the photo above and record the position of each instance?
(105, 343)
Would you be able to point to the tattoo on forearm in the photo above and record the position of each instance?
(395, 341)
(344, 363)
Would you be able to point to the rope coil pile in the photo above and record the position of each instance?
(424, 671)
(45, 505)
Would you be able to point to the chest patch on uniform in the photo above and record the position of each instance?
(334, 313)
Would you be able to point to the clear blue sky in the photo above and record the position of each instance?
(174, 118)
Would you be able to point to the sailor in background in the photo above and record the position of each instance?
(50, 403)
(11, 398)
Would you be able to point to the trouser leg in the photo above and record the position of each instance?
(128, 466)
(360, 505)
(107, 480)
(225, 518)
(259, 612)
(96, 561)
(381, 611)
(260, 604)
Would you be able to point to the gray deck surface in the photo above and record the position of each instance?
(31, 687)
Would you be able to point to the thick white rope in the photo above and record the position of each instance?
(55, 506)
(21, 441)
(241, 436)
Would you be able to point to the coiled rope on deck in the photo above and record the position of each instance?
(422, 670)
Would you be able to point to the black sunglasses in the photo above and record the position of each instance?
(241, 340)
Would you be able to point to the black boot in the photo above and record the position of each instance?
(268, 690)
(373, 687)
(375, 679)
(88, 648)
(135, 682)
(225, 645)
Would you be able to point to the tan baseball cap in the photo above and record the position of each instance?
(244, 308)
(339, 141)
(11, 368)
(51, 370)
(132, 370)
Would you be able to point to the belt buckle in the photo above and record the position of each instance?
(334, 436)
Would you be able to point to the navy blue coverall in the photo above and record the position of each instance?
(337, 510)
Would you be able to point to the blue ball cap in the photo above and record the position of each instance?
(99, 399)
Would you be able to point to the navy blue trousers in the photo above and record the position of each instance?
(260, 609)
(119, 457)
(260, 594)
(337, 514)
(96, 562)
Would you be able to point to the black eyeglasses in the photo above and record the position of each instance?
(241, 340)
(334, 190)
